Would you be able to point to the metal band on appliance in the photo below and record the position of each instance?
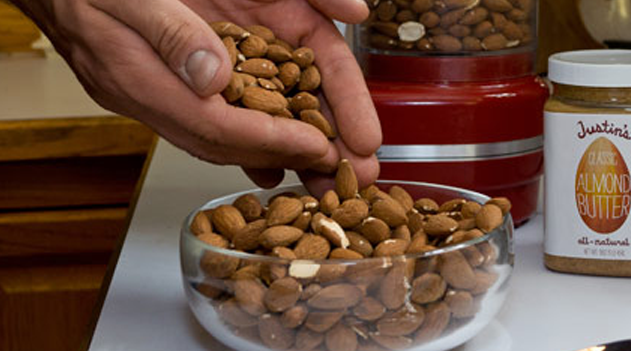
(460, 152)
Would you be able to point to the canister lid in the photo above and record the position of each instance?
(592, 68)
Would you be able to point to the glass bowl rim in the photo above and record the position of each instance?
(470, 195)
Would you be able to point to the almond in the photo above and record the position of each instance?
(359, 244)
(350, 213)
(484, 281)
(428, 288)
(264, 100)
(310, 291)
(248, 79)
(312, 247)
(440, 226)
(303, 101)
(278, 53)
(460, 304)
(419, 245)
(249, 206)
(391, 342)
(316, 119)
(488, 218)
(253, 46)
(452, 17)
(345, 254)
(375, 230)
(282, 294)
(420, 6)
(402, 196)
(267, 84)
(437, 318)
(330, 273)
(283, 210)
(387, 28)
(230, 312)
(258, 67)
(473, 256)
(227, 220)
(250, 272)
(310, 79)
(247, 238)
(289, 74)
(415, 221)
(214, 240)
(402, 232)
(201, 224)
(307, 340)
(341, 338)
(430, 19)
(263, 32)
(391, 247)
(336, 297)
(401, 322)
(303, 269)
(494, 42)
(294, 316)
(281, 235)
(303, 57)
(329, 202)
(456, 271)
(250, 295)
(393, 288)
(483, 29)
(211, 288)
(512, 31)
(228, 29)
(497, 5)
(469, 209)
(303, 221)
(369, 309)
(273, 334)
(346, 184)
(331, 230)
(426, 205)
(390, 211)
(321, 321)
(369, 192)
(503, 203)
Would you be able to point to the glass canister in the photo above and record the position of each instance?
(588, 150)
(459, 103)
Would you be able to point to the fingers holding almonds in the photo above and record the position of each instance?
(341, 278)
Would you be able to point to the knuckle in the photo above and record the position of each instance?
(172, 37)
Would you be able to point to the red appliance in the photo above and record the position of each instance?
(469, 120)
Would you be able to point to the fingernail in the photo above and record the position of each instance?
(200, 69)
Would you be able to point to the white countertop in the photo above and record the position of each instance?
(33, 87)
(146, 309)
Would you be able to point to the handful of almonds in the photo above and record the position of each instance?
(450, 25)
(353, 270)
(271, 76)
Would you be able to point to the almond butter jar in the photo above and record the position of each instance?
(587, 153)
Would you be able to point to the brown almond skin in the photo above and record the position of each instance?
(437, 318)
(249, 206)
(386, 28)
(359, 244)
(264, 100)
(247, 238)
(392, 289)
(420, 6)
(483, 29)
(346, 184)
(303, 57)
(273, 334)
(350, 213)
(456, 271)
(391, 247)
(312, 247)
(303, 101)
(201, 224)
(283, 210)
(503, 203)
(282, 294)
(390, 211)
(426, 205)
(289, 74)
(294, 316)
(452, 17)
(329, 202)
(281, 235)
(253, 46)
(278, 53)
(336, 297)
(375, 230)
(303, 221)
(461, 304)
(250, 295)
(230, 312)
(440, 226)
(258, 67)
(369, 309)
(494, 42)
(489, 217)
(310, 79)
(229, 29)
(428, 288)
(474, 16)
(248, 79)
(430, 19)
(316, 119)
(308, 340)
(402, 322)
(345, 254)
(497, 5)
(391, 342)
(231, 47)
(263, 32)
(402, 196)
(341, 338)
(321, 321)
(227, 220)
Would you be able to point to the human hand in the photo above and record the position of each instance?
(160, 63)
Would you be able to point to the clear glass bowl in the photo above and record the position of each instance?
(433, 301)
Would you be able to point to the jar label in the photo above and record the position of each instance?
(587, 186)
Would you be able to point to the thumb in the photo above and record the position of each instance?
(183, 40)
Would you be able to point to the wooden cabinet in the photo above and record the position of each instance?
(66, 185)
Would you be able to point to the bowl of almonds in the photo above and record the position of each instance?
(395, 266)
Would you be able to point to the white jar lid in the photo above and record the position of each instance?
(592, 68)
